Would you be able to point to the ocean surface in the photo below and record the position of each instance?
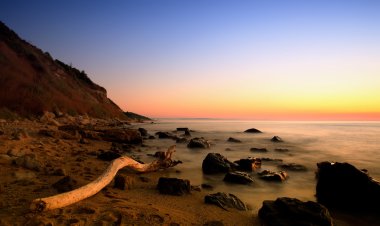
(308, 142)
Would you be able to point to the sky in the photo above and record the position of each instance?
(259, 60)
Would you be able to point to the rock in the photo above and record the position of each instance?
(151, 137)
(233, 140)
(248, 164)
(108, 156)
(173, 186)
(1, 132)
(181, 140)
(165, 135)
(273, 176)
(276, 139)
(28, 161)
(159, 154)
(225, 201)
(238, 178)
(65, 184)
(143, 132)
(259, 150)
(229, 149)
(187, 133)
(290, 211)
(281, 149)
(344, 186)
(123, 182)
(252, 130)
(198, 143)
(270, 160)
(129, 136)
(19, 134)
(293, 167)
(216, 163)
(184, 129)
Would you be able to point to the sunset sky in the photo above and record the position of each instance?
(264, 59)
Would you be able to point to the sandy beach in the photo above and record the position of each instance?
(55, 157)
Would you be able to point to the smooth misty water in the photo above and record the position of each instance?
(308, 142)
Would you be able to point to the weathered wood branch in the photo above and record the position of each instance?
(90, 189)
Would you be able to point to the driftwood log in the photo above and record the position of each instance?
(90, 189)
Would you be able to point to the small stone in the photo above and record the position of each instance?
(173, 186)
(123, 182)
(233, 140)
(281, 149)
(59, 172)
(258, 150)
(248, 164)
(276, 139)
(273, 176)
(65, 184)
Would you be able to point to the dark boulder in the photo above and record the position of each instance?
(108, 156)
(173, 186)
(184, 129)
(158, 154)
(165, 135)
(252, 130)
(238, 178)
(181, 140)
(233, 140)
(198, 142)
(290, 211)
(248, 164)
(225, 201)
(65, 184)
(344, 186)
(128, 136)
(273, 176)
(259, 150)
(216, 163)
(281, 149)
(143, 132)
(276, 139)
(293, 167)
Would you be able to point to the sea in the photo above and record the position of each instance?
(308, 142)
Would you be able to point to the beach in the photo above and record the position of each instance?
(57, 156)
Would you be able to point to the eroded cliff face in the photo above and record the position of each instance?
(32, 82)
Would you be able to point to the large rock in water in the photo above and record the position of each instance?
(290, 212)
(249, 164)
(238, 178)
(129, 136)
(343, 185)
(216, 163)
(198, 143)
(252, 130)
(225, 201)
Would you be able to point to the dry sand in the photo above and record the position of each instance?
(141, 204)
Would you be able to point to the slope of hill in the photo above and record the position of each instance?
(32, 82)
